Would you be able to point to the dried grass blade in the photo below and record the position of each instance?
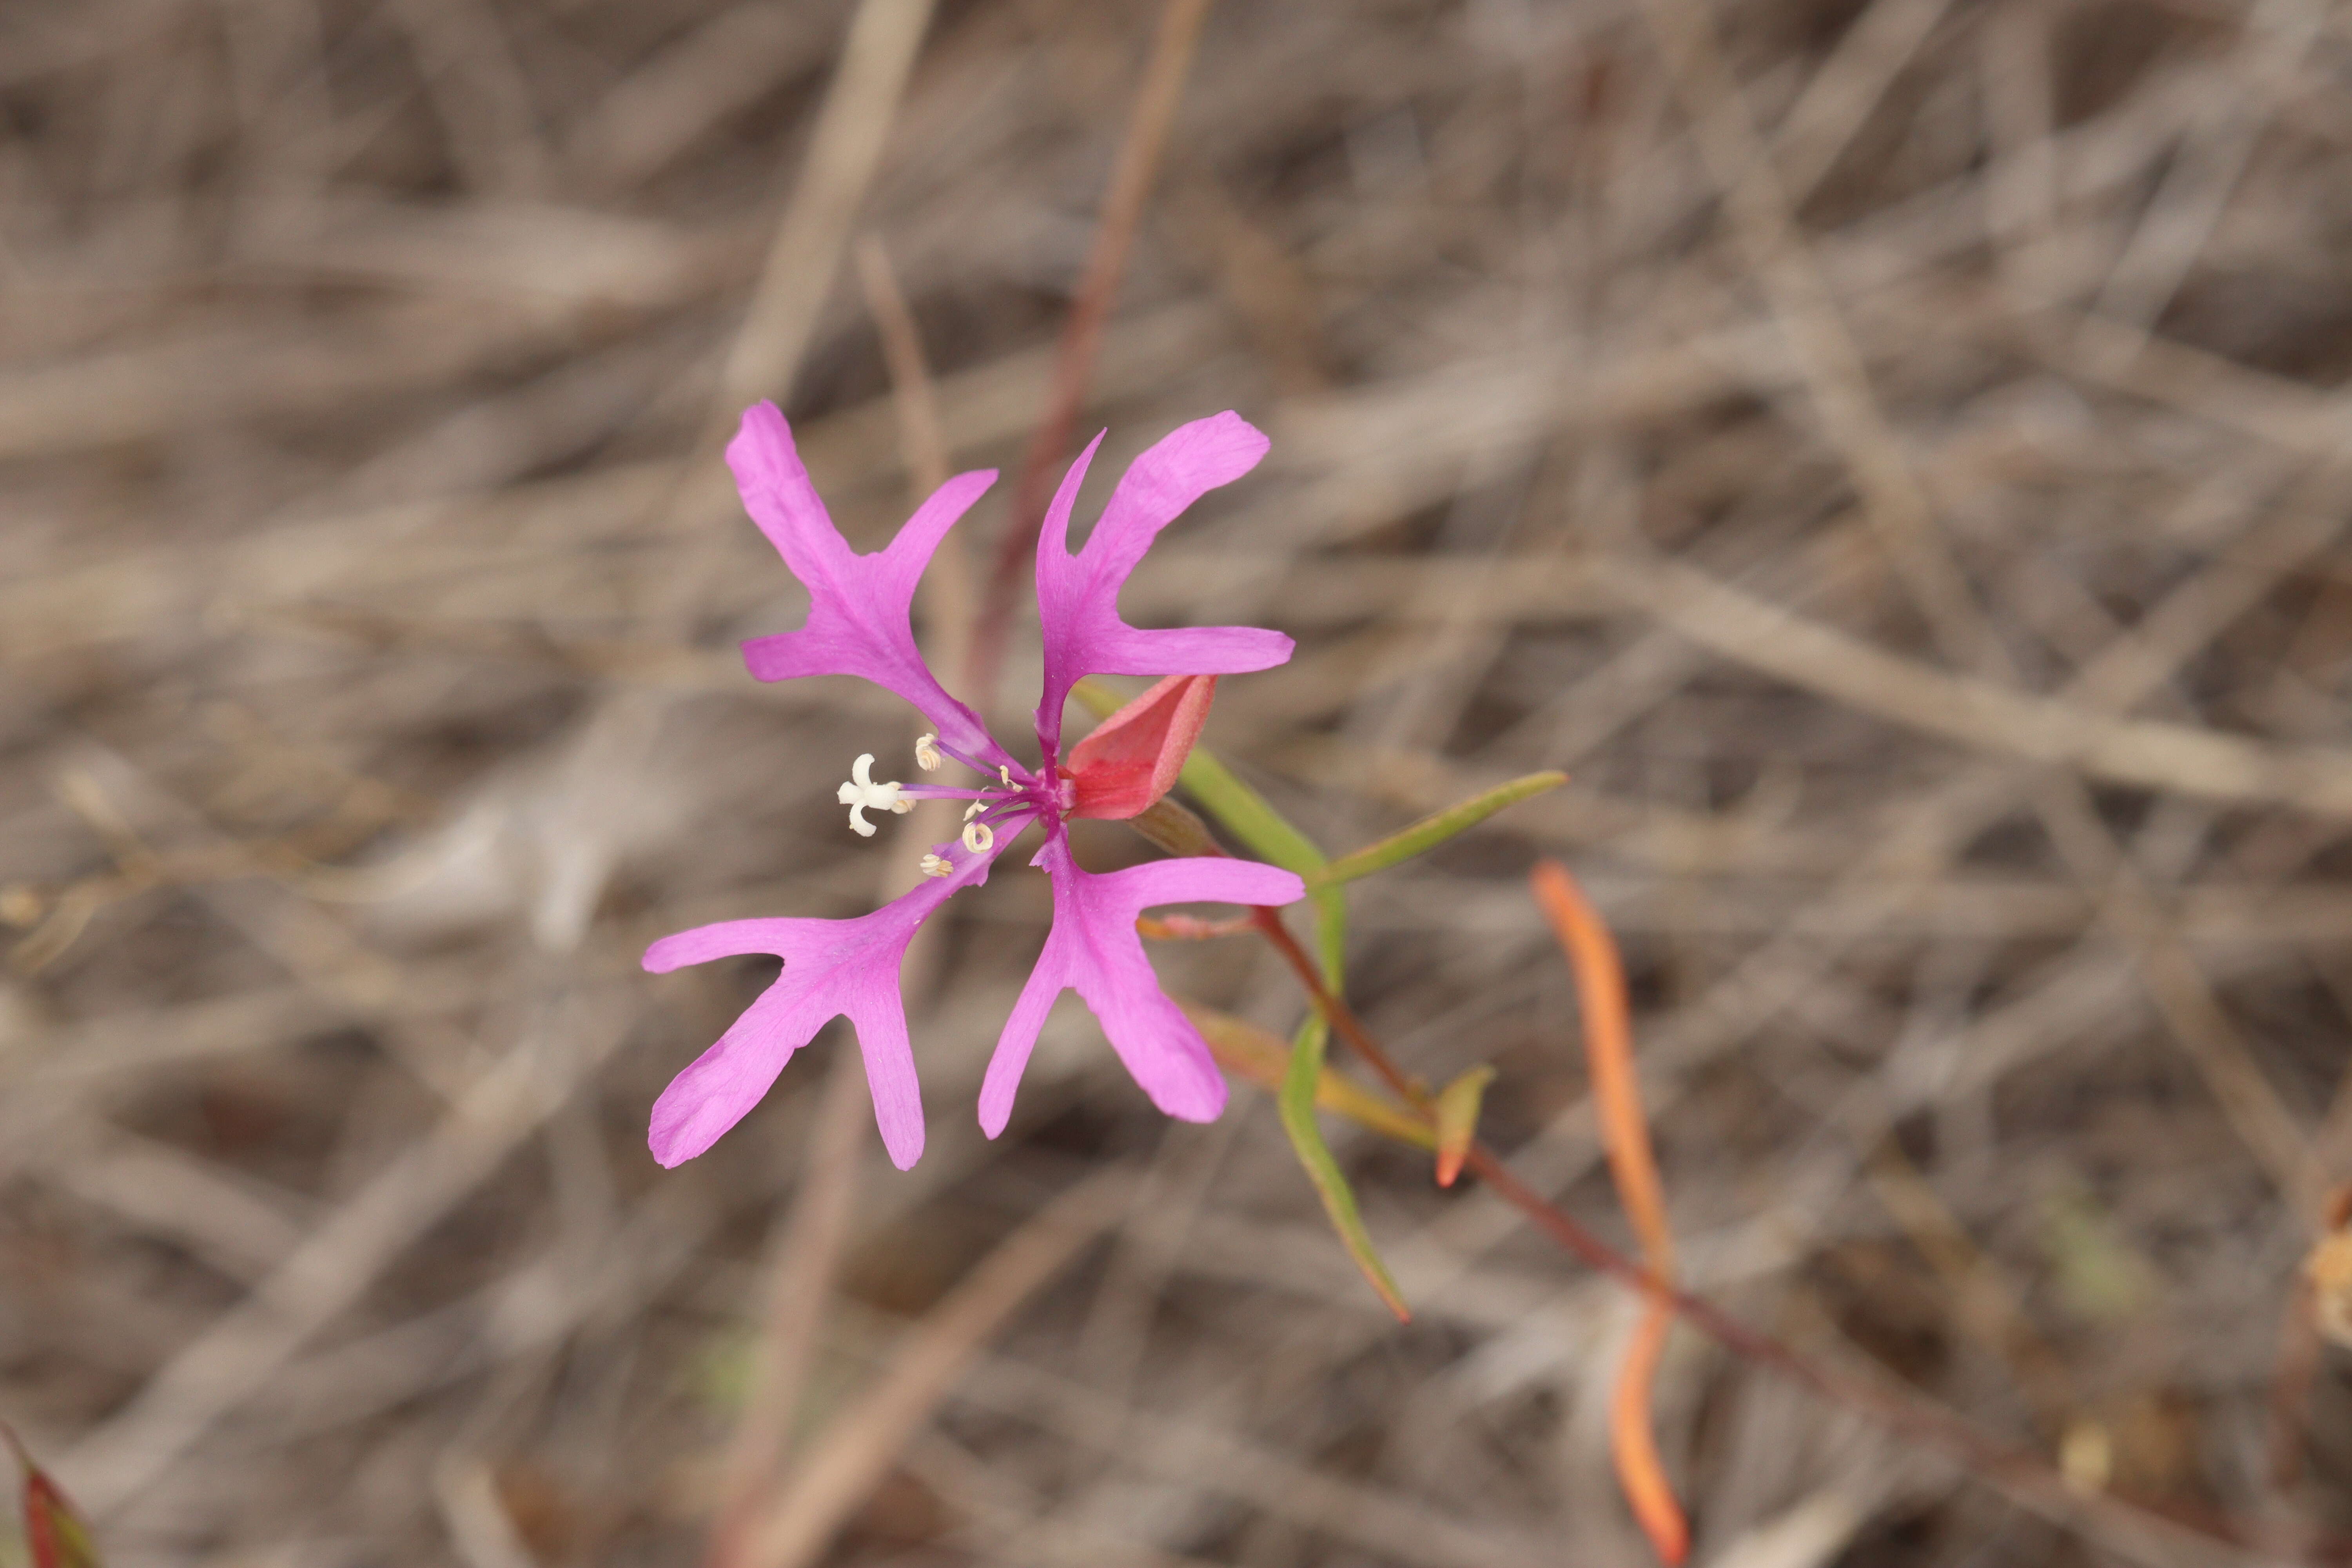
(863, 1442)
(815, 1235)
(1156, 99)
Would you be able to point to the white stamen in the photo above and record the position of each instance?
(861, 795)
(974, 809)
(978, 836)
(926, 753)
(934, 865)
(1004, 773)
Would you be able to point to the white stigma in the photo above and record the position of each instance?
(926, 753)
(861, 795)
(938, 866)
(978, 836)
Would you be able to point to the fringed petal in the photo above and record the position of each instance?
(1077, 594)
(831, 968)
(860, 606)
(1094, 950)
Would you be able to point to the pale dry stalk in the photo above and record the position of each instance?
(1156, 99)
(805, 1257)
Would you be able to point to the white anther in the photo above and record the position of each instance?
(974, 809)
(978, 836)
(1004, 773)
(861, 795)
(935, 866)
(926, 753)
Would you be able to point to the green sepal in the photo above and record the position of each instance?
(1457, 1121)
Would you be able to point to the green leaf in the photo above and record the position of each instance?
(1429, 832)
(1298, 1107)
(1249, 817)
(1457, 1121)
(1264, 1058)
(1246, 816)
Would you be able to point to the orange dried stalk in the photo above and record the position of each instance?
(1626, 1135)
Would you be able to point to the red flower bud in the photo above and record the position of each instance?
(1133, 756)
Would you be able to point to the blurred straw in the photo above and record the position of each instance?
(853, 127)
(590, 795)
(805, 1257)
(865, 1440)
(1157, 96)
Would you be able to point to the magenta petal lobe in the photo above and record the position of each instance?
(860, 606)
(1077, 594)
(1094, 950)
(831, 968)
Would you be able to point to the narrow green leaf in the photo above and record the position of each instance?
(1247, 814)
(1264, 1058)
(1298, 1107)
(1457, 1121)
(1250, 817)
(1430, 831)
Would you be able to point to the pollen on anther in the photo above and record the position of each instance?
(926, 753)
(978, 836)
(938, 866)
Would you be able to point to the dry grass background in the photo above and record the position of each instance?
(1888, 450)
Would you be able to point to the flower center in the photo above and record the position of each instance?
(1009, 796)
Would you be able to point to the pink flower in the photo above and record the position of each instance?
(858, 623)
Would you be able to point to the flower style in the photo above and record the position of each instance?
(859, 624)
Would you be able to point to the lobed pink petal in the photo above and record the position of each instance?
(1094, 950)
(860, 606)
(831, 968)
(1077, 594)
(724, 1083)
